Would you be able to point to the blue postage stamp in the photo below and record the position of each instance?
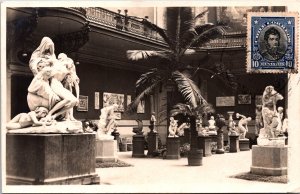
(272, 42)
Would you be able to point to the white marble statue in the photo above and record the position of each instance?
(33, 118)
(180, 129)
(243, 125)
(173, 127)
(271, 118)
(212, 126)
(46, 89)
(107, 122)
(152, 122)
(57, 99)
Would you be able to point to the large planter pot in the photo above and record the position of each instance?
(195, 157)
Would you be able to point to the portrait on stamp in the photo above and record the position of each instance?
(272, 43)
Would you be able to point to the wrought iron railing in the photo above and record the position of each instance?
(120, 22)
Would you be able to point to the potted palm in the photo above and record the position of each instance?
(195, 154)
(181, 38)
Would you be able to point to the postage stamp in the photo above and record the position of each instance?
(272, 42)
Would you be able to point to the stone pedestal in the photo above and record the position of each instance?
(116, 135)
(106, 150)
(152, 143)
(173, 144)
(214, 142)
(234, 143)
(244, 144)
(269, 160)
(204, 143)
(50, 159)
(220, 143)
(138, 144)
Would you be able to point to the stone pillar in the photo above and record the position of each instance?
(51, 159)
(204, 143)
(173, 144)
(138, 146)
(234, 143)
(152, 143)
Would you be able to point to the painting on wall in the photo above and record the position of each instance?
(244, 99)
(113, 98)
(128, 99)
(225, 101)
(258, 100)
(141, 107)
(83, 103)
(97, 106)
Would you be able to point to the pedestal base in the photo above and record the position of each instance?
(244, 144)
(106, 150)
(173, 144)
(204, 143)
(138, 144)
(269, 160)
(152, 143)
(44, 159)
(234, 143)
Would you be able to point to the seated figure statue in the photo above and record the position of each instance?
(243, 125)
(173, 127)
(107, 122)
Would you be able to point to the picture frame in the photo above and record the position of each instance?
(114, 98)
(141, 107)
(97, 99)
(83, 103)
(225, 101)
(244, 99)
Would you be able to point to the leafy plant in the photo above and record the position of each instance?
(181, 37)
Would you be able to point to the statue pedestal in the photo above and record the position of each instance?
(244, 144)
(234, 143)
(106, 150)
(220, 143)
(152, 143)
(269, 160)
(204, 143)
(138, 145)
(50, 159)
(173, 144)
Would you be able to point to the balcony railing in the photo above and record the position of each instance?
(120, 22)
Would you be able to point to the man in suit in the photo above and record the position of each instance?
(271, 38)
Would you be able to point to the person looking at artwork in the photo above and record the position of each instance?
(33, 118)
(272, 38)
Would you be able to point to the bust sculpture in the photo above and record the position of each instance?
(152, 123)
(243, 125)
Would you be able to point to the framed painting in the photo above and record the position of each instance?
(113, 98)
(141, 107)
(225, 101)
(83, 103)
(244, 99)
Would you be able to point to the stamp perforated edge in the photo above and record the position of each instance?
(248, 42)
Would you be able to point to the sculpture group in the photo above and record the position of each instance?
(50, 91)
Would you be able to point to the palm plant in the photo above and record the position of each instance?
(192, 113)
(181, 36)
